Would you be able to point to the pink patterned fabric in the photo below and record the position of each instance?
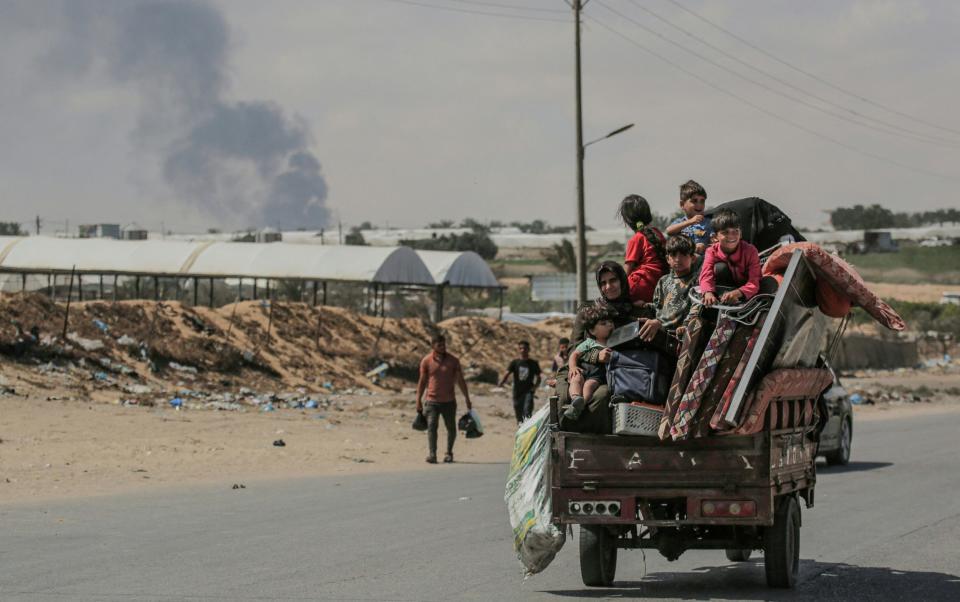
(688, 357)
(692, 398)
(841, 276)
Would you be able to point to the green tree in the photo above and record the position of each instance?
(11, 229)
(474, 225)
(354, 237)
(477, 241)
(562, 255)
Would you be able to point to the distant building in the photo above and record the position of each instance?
(134, 231)
(560, 287)
(99, 231)
(268, 235)
(879, 241)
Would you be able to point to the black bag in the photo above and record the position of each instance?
(419, 422)
(761, 223)
(638, 375)
(469, 426)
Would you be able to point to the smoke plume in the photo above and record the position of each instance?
(243, 163)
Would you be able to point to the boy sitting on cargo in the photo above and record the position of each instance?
(731, 263)
(693, 222)
(584, 377)
(671, 298)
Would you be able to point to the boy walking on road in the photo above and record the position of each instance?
(439, 371)
(526, 378)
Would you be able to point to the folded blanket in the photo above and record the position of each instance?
(842, 277)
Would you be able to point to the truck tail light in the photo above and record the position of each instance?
(732, 508)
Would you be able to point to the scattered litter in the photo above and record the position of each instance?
(856, 399)
(126, 341)
(182, 368)
(239, 486)
(100, 324)
(311, 404)
(176, 403)
(357, 459)
(465, 498)
(378, 371)
(101, 376)
(267, 407)
(85, 344)
(224, 406)
(279, 443)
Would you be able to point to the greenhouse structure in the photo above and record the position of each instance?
(211, 272)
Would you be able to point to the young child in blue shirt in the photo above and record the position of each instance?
(693, 223)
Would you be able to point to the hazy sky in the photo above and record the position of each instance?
(215, 113)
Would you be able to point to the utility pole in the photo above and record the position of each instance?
(581, 213)
(38, 225)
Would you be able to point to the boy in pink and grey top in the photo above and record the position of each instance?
(731, 262)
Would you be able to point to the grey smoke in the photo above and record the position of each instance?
(244, 163)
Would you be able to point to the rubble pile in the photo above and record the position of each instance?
(142, 347)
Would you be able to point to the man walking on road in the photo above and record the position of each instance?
(439, 371)
(526, 378)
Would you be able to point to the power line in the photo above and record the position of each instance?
(915, 133)
(809, 74)
(477, 12)
(512, 6)
(765, 111)
(771, 89)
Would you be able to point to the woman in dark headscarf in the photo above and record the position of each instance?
(614, 294)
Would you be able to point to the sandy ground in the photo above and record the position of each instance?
(54, 449)
(69, 448)
(917, 293)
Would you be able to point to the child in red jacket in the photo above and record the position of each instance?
(645, 261)
(730, 263)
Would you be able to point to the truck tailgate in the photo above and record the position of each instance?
(619, 461)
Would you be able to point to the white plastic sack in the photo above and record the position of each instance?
(535, 538)
(476, 420)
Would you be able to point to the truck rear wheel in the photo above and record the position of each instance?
(738, 555)
(598, 556)
(781, 545)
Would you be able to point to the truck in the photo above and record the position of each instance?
(732, 492)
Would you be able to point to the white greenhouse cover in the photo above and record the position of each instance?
(459, 268)
(396, 265)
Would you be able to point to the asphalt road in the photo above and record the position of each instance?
(884, 528)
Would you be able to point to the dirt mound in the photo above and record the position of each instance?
(252, 344)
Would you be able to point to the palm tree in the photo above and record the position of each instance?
(563, 257)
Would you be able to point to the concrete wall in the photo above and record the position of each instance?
(858, 352)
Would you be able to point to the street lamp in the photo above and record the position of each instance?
(610, 135)
(581, 217)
